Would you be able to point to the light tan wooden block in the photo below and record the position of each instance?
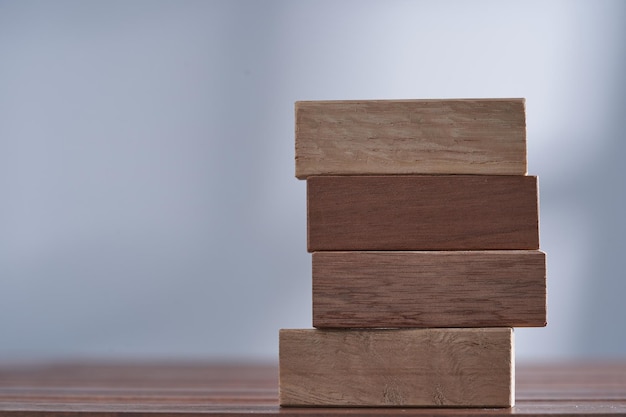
(422, 212)
(429, 289)
(397, 368)
(459, 136)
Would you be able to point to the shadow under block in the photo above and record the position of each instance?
(428, 212)
(471, 136)
(429, 289)
(397, 367)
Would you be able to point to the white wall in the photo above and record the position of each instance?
(148, 204)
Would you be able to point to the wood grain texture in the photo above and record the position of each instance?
(197, 388)
(471, 136)
(397, 367)
(429, 212)
(429, 289)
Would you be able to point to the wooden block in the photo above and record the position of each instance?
(429, 289)
(397, 367)
(429, 212)
(475, 136)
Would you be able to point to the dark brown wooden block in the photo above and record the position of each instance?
(397, 368)
(454, 136)
(422, 212)
(429, 289)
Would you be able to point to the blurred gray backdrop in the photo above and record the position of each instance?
(148, 204)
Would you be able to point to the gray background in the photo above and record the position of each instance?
(148, 204)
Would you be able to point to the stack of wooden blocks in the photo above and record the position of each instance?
(424, 231)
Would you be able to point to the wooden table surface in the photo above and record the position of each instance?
(197, 389)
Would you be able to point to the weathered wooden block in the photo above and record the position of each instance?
(471, 136)
(397, 367)
(422, 212)
(429, 289)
